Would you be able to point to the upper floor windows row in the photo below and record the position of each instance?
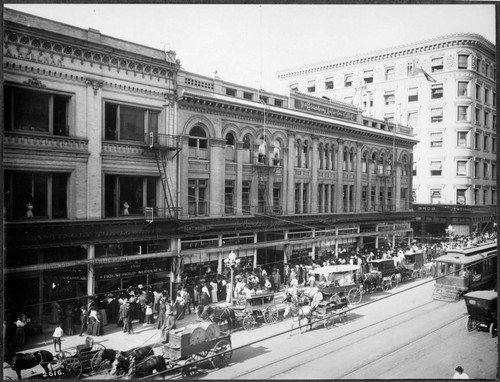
(36, 111)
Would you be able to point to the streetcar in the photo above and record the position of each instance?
(461, 270)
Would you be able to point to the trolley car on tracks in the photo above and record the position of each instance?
(462, 270)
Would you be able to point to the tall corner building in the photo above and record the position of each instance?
(444, 88)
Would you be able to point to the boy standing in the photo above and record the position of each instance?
(58, 332)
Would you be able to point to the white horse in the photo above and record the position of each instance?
(301, 315)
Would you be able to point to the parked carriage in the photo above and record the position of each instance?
(249, 311)
(482, 309)
(415, 261)
(339, 282)
(383, 275)
(81, 362)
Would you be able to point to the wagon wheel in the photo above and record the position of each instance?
(335, 298)
(249, 322)
(271, 314)
(354, 296)
(221, 353)
(99, 367)
(470, 325)
(191, 369)
(394, 281)
(386, 284)
(73, 367)
(493, 329)
(423, 273)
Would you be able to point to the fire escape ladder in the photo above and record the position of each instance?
(161, 161)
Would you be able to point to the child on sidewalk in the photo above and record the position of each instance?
(58, 332)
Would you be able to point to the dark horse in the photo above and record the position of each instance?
(121, 362)
(22, 361)
(146, 367)
(218, 315)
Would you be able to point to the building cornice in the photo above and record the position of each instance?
(469, 40)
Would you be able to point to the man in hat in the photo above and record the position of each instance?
(127, 318)
(169, 322)
(460, 373)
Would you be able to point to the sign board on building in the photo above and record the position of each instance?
(324, 110)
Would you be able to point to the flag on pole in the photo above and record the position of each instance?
(418, 69)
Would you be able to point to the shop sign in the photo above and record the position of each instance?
(66, 274)
(131, 269)
(193, 228)
(324, 110)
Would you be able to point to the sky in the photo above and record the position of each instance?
(249, 43)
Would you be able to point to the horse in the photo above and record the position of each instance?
(146, 367)
(121, 362)
(299, 313)
(22, 361)
(371, 281)
(104, 355)
(218, 315)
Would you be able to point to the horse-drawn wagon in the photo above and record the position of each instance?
(64, 365)
(250, 310)
(413, 266)
(196, 346)
(383, 275)
(339, 282)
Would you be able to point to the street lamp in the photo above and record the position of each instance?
(232, 262)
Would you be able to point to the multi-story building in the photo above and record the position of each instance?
(444, 89)
(123, 168)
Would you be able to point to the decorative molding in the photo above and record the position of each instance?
(46, 142)
(35, 82)
(95, 84)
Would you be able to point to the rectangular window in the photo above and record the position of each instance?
(435, 196)
(247, 95)
(409, 69)
(461, 196)
(477, 138)
(461, 168)
(123, 122)
(31, 195)
(128, 195)
(478, 92)
(478, 65)
(231, 92)
(389, 73)
(329, 83)
(229, 198)
(485, 196)
(197, 197)
(437, 115)
(412, 94)
(486, 119)
(437, 65)
(462, 138)
(436, 139)
(477, 115)
(494, 101)
(463, 88)
(348, 80)
(368, 76)
(437, 91)
(463, 61)
(278, 102)
(412, 118)
(245, 197)
(486, 173)
(476, 169)
(493, 171)
(493, 144)
(36, 111)
(311, 86)
(486, 70)
(276, 197)
(487, 96)
(462, 113)
(486, 143)
(264, 99)
(436, 168)
(389, 98)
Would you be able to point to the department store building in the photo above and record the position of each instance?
(122, 168)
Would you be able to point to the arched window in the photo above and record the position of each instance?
(373, 167)
(198, 143)
(388, 165)
(298, 154)
(247, 148)
(305, 155)
(344, 159)
(277, 153)
(380, 164)
(321, 157)
(350, 158)
(230, 152)
(262, 149)
(364, 162)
